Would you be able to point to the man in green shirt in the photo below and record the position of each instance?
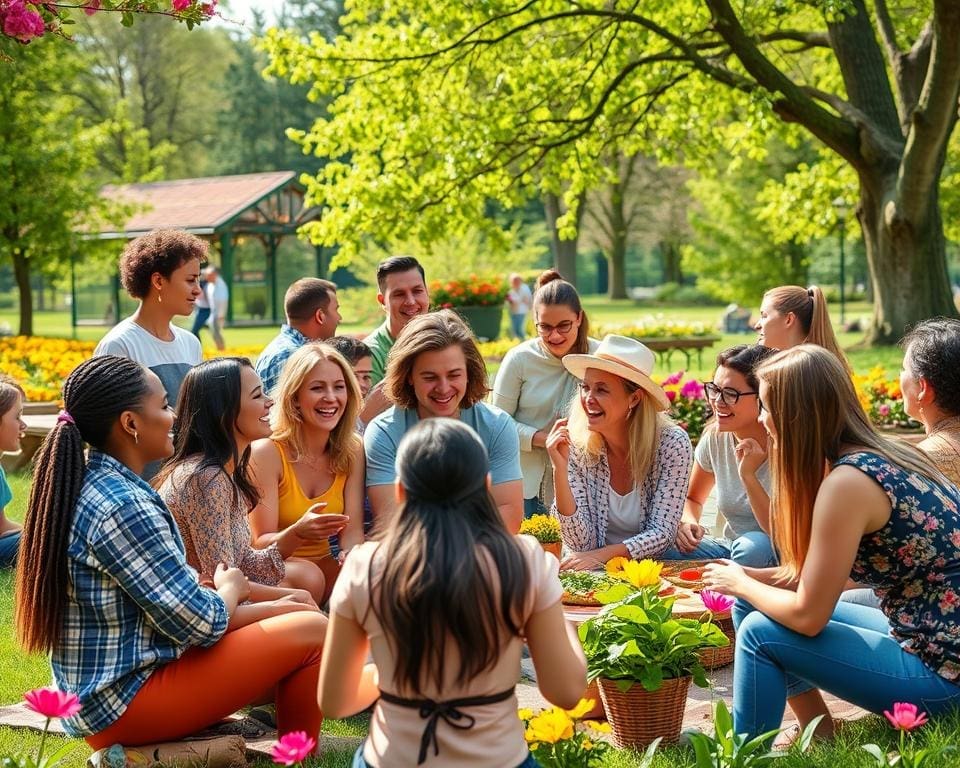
(403, 295)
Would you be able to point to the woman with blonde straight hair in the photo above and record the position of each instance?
(791, 315)
(620, 466)
(846, 503)
(310, 470)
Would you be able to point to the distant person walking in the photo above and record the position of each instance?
(519, 302)
(218, 297)
(201, 307)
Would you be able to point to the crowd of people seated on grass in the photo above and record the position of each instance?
(187, 520)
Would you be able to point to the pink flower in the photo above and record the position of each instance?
(905, 716)
(209, 8)
(22, 23)
(671, 395)
(715, 602)
(50, 702)
(673, 379)
(292, 748)
(692, 390)
(884, 410)
(181, 5)
(91, 7)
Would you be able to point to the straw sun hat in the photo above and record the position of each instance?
(623, 357)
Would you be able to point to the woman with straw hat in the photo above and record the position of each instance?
(620, 465)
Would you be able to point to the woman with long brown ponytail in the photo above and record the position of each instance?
(103, 584)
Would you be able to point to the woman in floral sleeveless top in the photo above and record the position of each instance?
(846, 502)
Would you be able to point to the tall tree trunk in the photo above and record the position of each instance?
(564, 251)
(670, 261)
(797, 265)
(617, 255)
(907, 261)
(21, 272)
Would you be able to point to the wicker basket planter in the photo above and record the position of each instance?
(714, 658)
(593, 693)
(638, 716)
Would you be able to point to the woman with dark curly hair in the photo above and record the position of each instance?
(162, 270)
(931, 389)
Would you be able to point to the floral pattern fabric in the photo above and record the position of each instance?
(914, 562)
(662, 493)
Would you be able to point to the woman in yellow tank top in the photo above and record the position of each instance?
(310, 471)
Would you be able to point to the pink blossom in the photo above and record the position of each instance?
(181, 5)
(209, 8)
(91, 7)
(715, 602)
(292, 748)
(673, 379)
(22, 23)
(692, 390)
(905, 716)
(671, 395)
(50, 702)
(884, 410)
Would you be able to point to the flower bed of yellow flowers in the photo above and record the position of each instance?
(40, 365)
(558, 739)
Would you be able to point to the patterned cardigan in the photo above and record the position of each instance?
(662, 493)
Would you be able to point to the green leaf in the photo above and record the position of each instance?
(878, 754)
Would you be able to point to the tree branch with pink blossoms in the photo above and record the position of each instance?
(26, 20)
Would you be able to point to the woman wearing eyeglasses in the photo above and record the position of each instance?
(622, 466)
(533, 386)
(731, 456)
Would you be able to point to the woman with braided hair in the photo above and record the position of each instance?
(105, 589)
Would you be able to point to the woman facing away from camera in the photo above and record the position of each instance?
(621, 467)
(846, 502)
(208, 487)
(533, 386)
(791, 315)
(310, 470)
(105, 589)
(444, 602)
(731, 457)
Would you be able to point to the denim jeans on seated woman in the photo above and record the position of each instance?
(752, 550)
(853, 657)
(359, 762)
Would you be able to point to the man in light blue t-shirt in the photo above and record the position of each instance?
(435, 369)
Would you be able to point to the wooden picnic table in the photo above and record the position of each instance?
(665, 346)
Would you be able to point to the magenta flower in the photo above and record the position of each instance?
(884, 410)
(209, 8)
(905, 716)
(715, 602)
(50, 702)
(673, 378)
(181, 5)
(292, 748)
(671, 395)
(22, 23)
(91, 7)
(692, 390)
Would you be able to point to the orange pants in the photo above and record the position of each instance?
(277, 658)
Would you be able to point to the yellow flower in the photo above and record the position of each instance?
(525, 713)
(583, 706)
(587, 744)
(596, 725)
(644, 573)
(550, 726)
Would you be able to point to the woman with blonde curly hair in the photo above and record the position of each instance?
(435, 369)
(310, 470)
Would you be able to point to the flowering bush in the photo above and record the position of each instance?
(25, 20)
(656, 326)
(688, 404)
(495, 351)
(469, 292)
(905, 717)
(543, 528)
(557, 740)
(882, 399)
(50, 703)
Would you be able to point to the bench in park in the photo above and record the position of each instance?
(689, 346)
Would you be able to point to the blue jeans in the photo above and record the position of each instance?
(9, 544)
(200, 318)
(853, 657)
(753, 550)
(518, 326)
(359, 762)
(533, 507)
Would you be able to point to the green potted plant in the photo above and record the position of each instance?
(477, 299)
(643, 659)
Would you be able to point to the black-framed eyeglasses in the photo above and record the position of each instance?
(728, 395)
(564, 328)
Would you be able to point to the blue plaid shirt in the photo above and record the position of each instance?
(133, 603)
(275, 355)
